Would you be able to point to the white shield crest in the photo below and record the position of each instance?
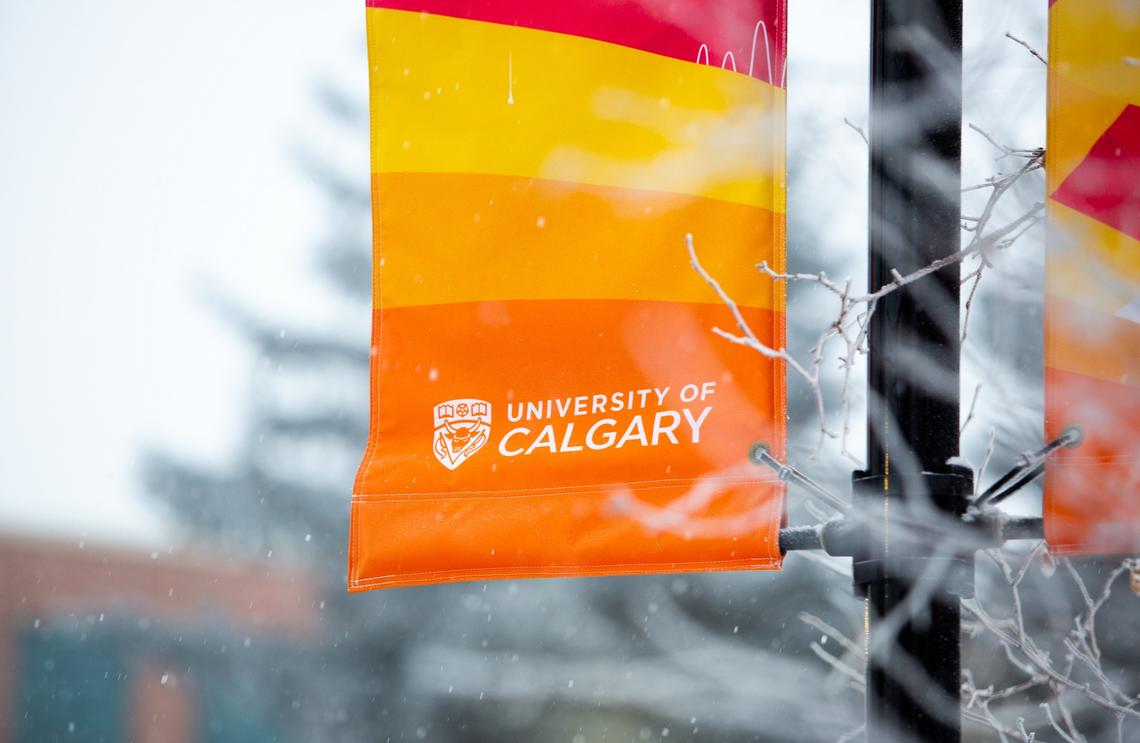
(462, 427)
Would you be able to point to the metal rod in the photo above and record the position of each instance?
(835, 536)
(913, 426)
(760, 454)
(1026, 477)
(1029, 466)
(801, 538)
(1022, 527)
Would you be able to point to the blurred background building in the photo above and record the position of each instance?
(184, 200)
(104, 644)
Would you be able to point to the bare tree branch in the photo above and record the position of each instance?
(1031, 50)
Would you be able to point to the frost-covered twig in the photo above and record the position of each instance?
(848, 644)
(747, 337)
(973, 405)
(1025, 44)
(858, 130)
(1037, 664)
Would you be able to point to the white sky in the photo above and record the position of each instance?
(144, 153)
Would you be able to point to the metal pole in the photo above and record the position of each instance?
(913, 677)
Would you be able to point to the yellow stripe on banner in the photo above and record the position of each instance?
(1090, 263)
(1097, 42)
(452, 95)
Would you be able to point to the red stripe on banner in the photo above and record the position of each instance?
(1106, 185)
(746, 35)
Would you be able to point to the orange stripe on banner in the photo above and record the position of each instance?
(534, 351)
(565, 241)
(613, 406)
(1092, 492)
(454, 95)
(1093, 344)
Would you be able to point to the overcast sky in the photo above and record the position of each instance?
(144, 154)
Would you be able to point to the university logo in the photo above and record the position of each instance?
(461, 428)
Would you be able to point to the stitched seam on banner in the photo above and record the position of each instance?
(410, 580)
(780, 318)
(1096, 461)
(374, 349)
(563, 570)
(393, 497)
(1050, 140)
(529, 492)
(1080, 547)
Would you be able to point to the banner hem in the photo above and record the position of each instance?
(360, 585)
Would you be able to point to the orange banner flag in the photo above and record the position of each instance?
(548, 397)
(1092, 309)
